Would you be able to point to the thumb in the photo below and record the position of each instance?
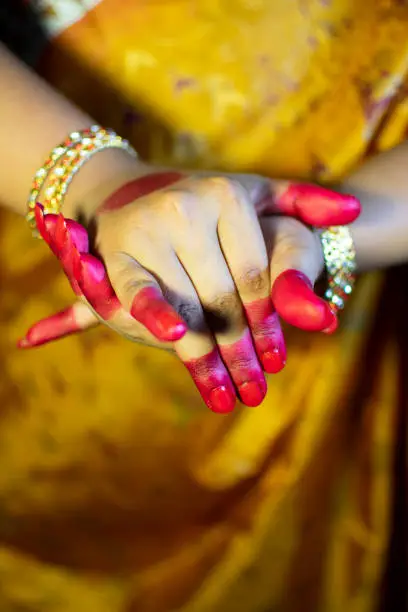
(75, 318)
(296, 263)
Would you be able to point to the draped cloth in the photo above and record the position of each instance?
(119, 490)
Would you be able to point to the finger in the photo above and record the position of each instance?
(211, 379)
(140, 294)
(66, 239)
(296, 263)
(95, 286)
(297, 304)
(199, 251)
(196, 348)
(312, 204)
(249, 270)
(74, 319)
(87, 275)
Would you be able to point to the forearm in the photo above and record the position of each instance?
(33, 120)
(381, 232)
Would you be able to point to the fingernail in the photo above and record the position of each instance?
(61, 234)
(251, 393)
(168, 325)
(23, 343)
(330, 329)
(39, 220)
(273, 361)
(91, 268)
(150, 309)
(221, 400)
(78, 235)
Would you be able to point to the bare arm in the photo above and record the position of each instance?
(381, 232)
(34, 118)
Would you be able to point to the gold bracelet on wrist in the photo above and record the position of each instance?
(52, 180)
(340, 261)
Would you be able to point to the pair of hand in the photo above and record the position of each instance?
(203, 265)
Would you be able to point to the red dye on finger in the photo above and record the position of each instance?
(139, 188)
(252, 393)
(40, 222)
(332, 327)
(96, 288)
(242, 363)
(267, 334)
(79, 235)
(151, 310)
(274, 361)
(296, 302)
(61, 241)
(213, 382)
(318, 206)
(54, 327)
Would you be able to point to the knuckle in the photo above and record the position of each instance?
(240, 363)
(224, 312)
(254, 281)
(226, 188)
(192, 313)
(177, 202)
(225, 304)
(132, 286)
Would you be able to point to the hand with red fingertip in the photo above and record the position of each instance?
(296, 302)
(318, 206)
(152, 311)
(156, 286)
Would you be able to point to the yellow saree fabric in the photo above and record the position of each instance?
(119, 490)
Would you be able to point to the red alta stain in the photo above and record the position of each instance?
(243, 365)
(57, 326)
(267, 334)
(69, 242)
(213, 382)
(151, 310)
(296, 302)
(95, 286)
(318, 206)
(139, 188)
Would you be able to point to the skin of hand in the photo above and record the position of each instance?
(181, 261)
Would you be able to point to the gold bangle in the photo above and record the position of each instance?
(52, 180)
(340, 260)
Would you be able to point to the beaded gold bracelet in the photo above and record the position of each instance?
(340, 261)
(52, 180)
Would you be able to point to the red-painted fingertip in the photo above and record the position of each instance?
(296, 302)
(252, 393)
(350, 210)
(23, 343)
(333, 326)
(78, 235)
(166, 326)
(60, 234)
(91, 269)
(273, 361)
(151, 310)
(319, 206)
(40, 222)
(221, 400)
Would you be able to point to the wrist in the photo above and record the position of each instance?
(106, 172)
